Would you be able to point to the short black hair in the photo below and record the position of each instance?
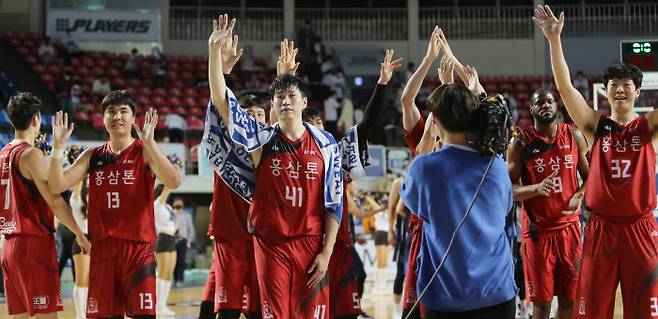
(453, 106)
(116, 98)
(535, 96)
(250, 100)
(22, 108)
(310, 113)
(622, 71)
(285, 82)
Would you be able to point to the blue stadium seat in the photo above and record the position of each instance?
(4, 119)
(45, 120)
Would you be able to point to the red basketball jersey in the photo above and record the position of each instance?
(228, 218)
(343, 235)
(622, 174)
(288, 199)
(23, 211)
(121, 194)
(541, 157)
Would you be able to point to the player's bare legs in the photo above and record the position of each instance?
(541, 310)
(564, 308)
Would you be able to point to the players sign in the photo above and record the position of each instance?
(103, 26)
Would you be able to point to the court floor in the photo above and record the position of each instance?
(377, 302)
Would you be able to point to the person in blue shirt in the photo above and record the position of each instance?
(477, 278)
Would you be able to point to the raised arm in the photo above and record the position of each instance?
(410, 113)
(373, 108)
(161, 167)
(286, 63)
(222, 32)
(59, 180)
(585, 118)
(430, 134)
(34, 163)
(393, 199)
(462, 70)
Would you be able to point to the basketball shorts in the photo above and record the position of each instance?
(209, 288)
(619, 251)
(122, 274)
(31, 278)
(343, 289)
(236, 284)
(550, 265)
(282, 267)
(409, 292)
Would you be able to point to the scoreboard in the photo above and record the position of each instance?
(641, 53)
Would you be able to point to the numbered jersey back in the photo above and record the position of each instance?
(120, 194)
(542, 157)
(23, 211)
(622, 174)
(289, 196)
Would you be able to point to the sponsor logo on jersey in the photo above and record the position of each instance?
(7, 226)
(309, 152)
(92, 305)
(128, 162)
(221, 296)
(267, 311)
(40, 302)
(565, 147)
(581, 306)
(531, 289)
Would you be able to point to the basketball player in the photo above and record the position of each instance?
(296, 204)
(543, 163)
(620, 239)
(414, 126)
(122, 173)
(343, 289)
(29, 260)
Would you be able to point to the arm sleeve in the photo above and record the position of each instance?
(370, 114)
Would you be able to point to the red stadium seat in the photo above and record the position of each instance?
(171, 75)
(189, 102)
(97, 120)
(174, 92)
(203, 101)
(52, 70)
(187, 67)
(196, 111)
(47, 78)
(97, 71)
(190, 92)
(164, 110)
(203, 92)
(38, 68)
(112, 72)
(187, 76)
(157, 101)
(159, 92)
(144, 90)
(180, 111)
(118, 83)
(143, 101)
(82, 117)
(131, 90)
(195, 124)
(31, 59)
(161, 123)
(174, 101)
(177, 84)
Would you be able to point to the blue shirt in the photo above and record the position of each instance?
(479, 270)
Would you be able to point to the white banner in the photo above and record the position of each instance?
(103, 25)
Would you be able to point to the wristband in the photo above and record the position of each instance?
(57, 153)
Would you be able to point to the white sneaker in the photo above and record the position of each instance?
(165, 312)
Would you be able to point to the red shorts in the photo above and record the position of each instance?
(122, 276)
(31, 279)
(550, 265)
(236, 284)
(209, 288)
(282, 268)
(616, 252)
(343, 290)
(409, 296)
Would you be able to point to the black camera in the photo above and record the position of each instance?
(492, 126)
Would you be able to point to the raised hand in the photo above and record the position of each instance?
(222, 32)
(549, 24)
(446, 70)
(472, 79)
(547, 186)
(443, 42)
(387, 67)
(434, 46)
(230, 55)
(61, 129)
(150, 122)
(286, 63)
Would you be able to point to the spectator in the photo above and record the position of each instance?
(331, 106)
(185, 236)
(72, 102)
(327, 64)
(346, 119)
(304, 39)
(63, 84)
(177, 126)
(47, 53)
(71, 50)
(99, 88)
(131, 69)
(335, 80)
(156, 53)
(511, 104)
(158, 74)
(581, 84)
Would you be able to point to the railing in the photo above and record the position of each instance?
(259, 24)
(359, 24)
(515, 22)
(377, 24)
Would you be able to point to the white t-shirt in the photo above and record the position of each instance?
(331, 109)
(165, 220)
(80, 218)
(381, 220)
